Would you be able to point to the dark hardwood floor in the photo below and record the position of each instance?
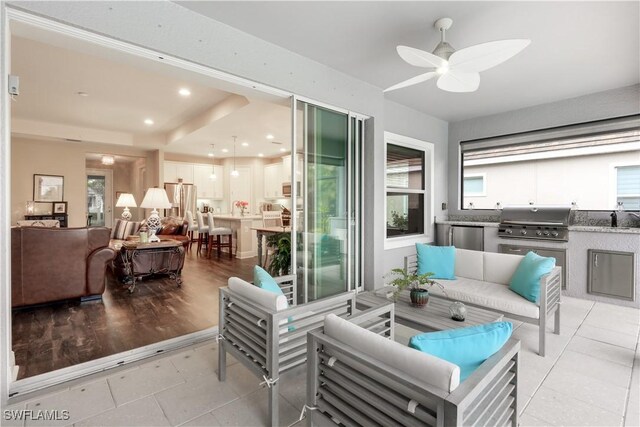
(55, 336)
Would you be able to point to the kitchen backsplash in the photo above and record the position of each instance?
(577, 218)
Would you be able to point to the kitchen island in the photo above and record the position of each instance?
(245, 239)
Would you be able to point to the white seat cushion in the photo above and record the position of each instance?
(493, 296)
(220, 231)
(469, 264)
(421, 366)
(499, 268)
(261, 297)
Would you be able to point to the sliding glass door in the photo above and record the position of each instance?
(327, 227)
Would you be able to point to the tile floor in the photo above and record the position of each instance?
(590, 377)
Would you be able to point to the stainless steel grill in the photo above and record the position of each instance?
(535, 222)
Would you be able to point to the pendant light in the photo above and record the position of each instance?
(212, 177)
(234, 172)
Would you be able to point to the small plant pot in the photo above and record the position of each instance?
(419, 297)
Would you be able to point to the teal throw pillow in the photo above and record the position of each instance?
(263, 280)
(466, 347)
(439, 260)
(526, 279)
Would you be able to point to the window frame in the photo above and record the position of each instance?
(428, 194)
(605, 125)
(613, 183)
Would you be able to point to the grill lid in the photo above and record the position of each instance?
(536, 215)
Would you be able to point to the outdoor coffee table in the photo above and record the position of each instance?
(433, 317)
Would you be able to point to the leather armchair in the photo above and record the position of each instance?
(53, 264)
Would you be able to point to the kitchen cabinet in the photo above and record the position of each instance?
(207, 187)
(174, 171)
(273, 181)
(611, 273)
(286, 168)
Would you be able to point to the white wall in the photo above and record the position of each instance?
(602, 105)
(405, 121)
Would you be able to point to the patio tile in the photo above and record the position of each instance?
(82, 402)
(205, 420)
(293, 387)
(587, 389)
(251, 410)
(144, 380)
(602, 370)
(142, 412)
(527, 420)
(11, 418)
(556, 408)
(602, 350)
(628, 314)
(211, 351)
(192, 364)
(632, 416)
(608, 336)
(241, 380)
(194, 398)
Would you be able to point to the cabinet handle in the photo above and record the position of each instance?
(515, 250)
(595, 260)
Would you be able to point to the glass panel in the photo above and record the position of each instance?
(96, 199)
(554, 172)
(405, 167)
(405, 214)
(322, 246)
(473, 185)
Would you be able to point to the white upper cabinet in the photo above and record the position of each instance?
(286, 168)
(218, 183)
(203, 181)
(273, 181)
(173, 171)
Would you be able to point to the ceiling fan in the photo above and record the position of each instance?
(457, 70)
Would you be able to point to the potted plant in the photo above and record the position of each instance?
(419, 285)
(281, 260)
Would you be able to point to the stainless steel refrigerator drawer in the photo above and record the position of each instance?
(559, 254)
(460, 236)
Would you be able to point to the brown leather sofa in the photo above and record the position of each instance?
(53, 264)
(175, 229)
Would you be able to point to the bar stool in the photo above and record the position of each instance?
(193, 227)
(219, 231)
(203, 231)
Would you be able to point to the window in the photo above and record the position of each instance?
(628, 186)
(474, 185)
(560, 166)
(408, 174)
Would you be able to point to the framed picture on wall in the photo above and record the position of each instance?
(59, 207)
(48, 188)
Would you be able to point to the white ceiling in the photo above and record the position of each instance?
(577, 47)
(124, 91)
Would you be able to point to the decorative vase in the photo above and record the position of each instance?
(419, 297)
(458, 311)
(241, 211)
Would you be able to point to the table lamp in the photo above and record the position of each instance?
(155, 198)
(125, 201)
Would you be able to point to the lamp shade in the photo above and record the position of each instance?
(156, 198)
(126, 200)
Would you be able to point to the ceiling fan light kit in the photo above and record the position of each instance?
(457, 70)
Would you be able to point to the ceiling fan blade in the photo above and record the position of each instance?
(458, 81)
(480, 57)
(412, 81)
(420, 58)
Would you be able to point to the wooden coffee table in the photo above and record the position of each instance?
(434, 317)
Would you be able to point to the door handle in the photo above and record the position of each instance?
(595, 260)
(451, 236)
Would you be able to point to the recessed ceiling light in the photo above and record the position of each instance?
(184, 92)
(148, 122)
(260, 155)
(270, 136)
(245, 144)
(224, 150)
(210, 154)
(82, 94)
(283, 150)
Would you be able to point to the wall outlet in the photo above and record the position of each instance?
(444, 206)
(14, 85)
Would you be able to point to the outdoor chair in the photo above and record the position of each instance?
(267, 332)
(354, 378)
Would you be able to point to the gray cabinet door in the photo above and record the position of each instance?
(612, 274)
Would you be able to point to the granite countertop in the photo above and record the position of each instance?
(601, 229)
(579, 228)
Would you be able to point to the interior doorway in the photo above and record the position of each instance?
(99, 200)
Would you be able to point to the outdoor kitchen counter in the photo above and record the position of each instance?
(579, 228)
(470, 223)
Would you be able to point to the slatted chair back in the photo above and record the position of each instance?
(271, 219)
